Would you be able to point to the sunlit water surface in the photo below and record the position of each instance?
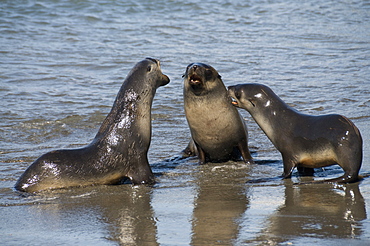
(63, 62)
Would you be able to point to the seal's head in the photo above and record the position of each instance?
(149, 71)
(154, 66)
(250, 96)
(201, 78)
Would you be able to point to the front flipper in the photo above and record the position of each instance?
(141, 174)
(244, 151)
(289, 165)
(201, 154)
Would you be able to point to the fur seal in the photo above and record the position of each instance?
(304, 141)
(217, 129)
(118, 150)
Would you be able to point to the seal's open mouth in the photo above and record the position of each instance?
(196, 84)
(195, 79)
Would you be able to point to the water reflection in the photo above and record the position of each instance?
(124, 212)
(319, 211)
(133, 222)
(220, 204)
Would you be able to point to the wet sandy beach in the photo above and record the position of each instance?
(63, 62)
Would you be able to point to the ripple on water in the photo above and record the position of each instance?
(63, 62)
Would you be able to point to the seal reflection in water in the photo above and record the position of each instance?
(304, 141)
(120, 147)
(217, 129)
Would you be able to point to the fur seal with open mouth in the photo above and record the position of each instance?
(304, 141)
(120, 147)
(218, 132)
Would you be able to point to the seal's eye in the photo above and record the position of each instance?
(149, 68)
(237, 94)
(208, 74)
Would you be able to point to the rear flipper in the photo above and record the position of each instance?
(344, 179)
(305, 171)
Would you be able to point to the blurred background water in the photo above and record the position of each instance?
(63, 62)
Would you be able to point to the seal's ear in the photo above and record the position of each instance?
(218, 76)
(149, 68)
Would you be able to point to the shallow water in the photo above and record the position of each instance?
(63, 62)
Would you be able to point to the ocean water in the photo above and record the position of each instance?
(63, 62)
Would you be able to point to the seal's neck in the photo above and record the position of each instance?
(274, 117)
(131, 112)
